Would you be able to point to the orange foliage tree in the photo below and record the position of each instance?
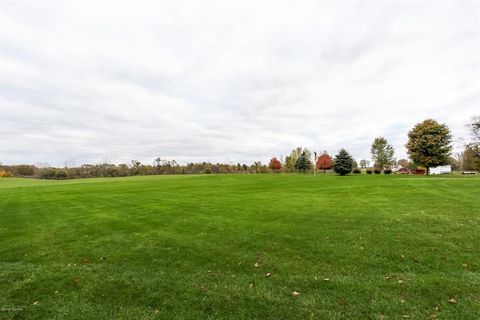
(324, 162)
(275, 164)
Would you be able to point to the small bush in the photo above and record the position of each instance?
(369, 171)
(53, 173)
(60, 174)
(388, 171)
(48, 173)
(377, 171)
(5, 174)
(357, 171)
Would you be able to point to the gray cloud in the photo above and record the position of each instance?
(223, 81)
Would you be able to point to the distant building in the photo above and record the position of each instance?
(402, 170)
(419, 171)
(441, 169)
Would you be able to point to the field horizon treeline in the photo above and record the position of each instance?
(429, 145)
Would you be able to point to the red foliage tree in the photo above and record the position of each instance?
(324, 162)
(275, 164)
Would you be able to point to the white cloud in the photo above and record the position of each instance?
(229, 81)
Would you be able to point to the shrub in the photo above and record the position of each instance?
(388, 171)
(5, 174)
(377, 171)
(60, 174)
(356, 170)
(48, 173)
(53, 173)
(369, 171)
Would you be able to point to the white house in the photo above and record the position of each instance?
(441, 169)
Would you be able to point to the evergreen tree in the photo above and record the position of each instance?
(343, 163)
(303, 162)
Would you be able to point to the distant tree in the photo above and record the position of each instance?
(256, 166)
(24, 170)
(469, 160)
(324, 162)
(364, 163)
(456, 163)
(355, 164)
(403, 163)
(411, 166)
(275, 164)
(474, 130)
(158, 165)
(135, 167)
(343, 163)
(303, 162)
(429, 144)
(123, 170)
(291, 160)
(382, 153)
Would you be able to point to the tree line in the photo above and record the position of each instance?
(134, 168)
(429, 145)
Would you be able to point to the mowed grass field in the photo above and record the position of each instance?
(239, 246)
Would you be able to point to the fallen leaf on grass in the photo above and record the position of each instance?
(257, 264)
(36, 302)
(269, 274)
(295, 293)
(452, 301)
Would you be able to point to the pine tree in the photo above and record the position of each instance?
(303, 162)
(343, 163)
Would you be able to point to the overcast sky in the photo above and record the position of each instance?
(229, 81)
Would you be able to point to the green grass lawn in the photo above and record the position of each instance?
(238, 246)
